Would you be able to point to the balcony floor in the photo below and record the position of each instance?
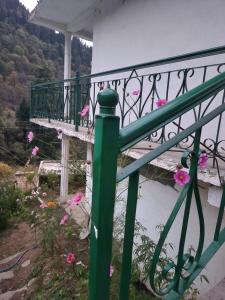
(168, 161)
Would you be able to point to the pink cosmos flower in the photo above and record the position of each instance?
(84, 111)
(203, 160)
(64, 219)
(111, 270)
(181, 177)
(35, 151)
(30, 136)
(76, 199)
(70, 258)
(43, 205)
(161, 102)
(136, 93)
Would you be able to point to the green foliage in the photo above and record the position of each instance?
(23, 111)
(29, 54)
(9, 202)
(50, 181)
(27, 48)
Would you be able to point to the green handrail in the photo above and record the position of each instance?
(154, 63)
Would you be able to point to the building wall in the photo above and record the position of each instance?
(139, 31)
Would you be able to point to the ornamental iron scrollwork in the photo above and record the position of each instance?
(186, 264)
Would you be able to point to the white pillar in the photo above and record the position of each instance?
(88, 191)
(64, 168)
(67, 68)
(65, 139)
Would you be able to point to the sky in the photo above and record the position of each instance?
(30, 4)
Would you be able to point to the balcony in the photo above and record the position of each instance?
(142, 89)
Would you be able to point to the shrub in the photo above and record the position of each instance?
(9, 202)
(5, 170)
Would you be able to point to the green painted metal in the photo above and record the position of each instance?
(137, 164)
(159, 62)
(193, 175)
(128, 236)
(141, 128)
(220, 216)
(104, 184)
(77, 101)
(187, 267)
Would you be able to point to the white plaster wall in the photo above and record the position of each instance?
(154, 206)
(139, 31)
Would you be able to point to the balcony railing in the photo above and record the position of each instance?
(178, 274)
(139, 88)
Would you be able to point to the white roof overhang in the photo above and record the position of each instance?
(75, 16)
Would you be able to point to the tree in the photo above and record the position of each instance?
(23, 112)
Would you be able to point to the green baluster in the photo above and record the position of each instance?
(77, 101)
(129, 235)
(103, 198)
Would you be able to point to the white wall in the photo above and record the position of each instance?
(145, 30)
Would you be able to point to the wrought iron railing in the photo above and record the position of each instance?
(139, 88)
(110, 141)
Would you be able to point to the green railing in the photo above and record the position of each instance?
(110, 141)
(64, 100)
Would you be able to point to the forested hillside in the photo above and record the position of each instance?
(25, 48)
(29, 53)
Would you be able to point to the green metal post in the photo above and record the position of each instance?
(129, 235)
(104, 186)
(77, 101)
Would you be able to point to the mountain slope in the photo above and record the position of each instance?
(25, 48)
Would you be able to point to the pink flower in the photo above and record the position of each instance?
(43, 205)
(203, 160)
(30, 136)
(181, 177)
(64, 219)
(161, 102)
(84, 111)
(111, 270)
(35, 151)
(136, 93)
(76, 199)
(70, 258)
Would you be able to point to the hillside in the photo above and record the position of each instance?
(26, 48)
(29, 53)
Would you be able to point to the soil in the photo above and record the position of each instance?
(45, 273)
(13, 241)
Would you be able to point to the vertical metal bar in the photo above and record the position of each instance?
(218, 133)
(78, 101)
(193, 174)
(220, 216)
(128, 236)
(103, 198)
